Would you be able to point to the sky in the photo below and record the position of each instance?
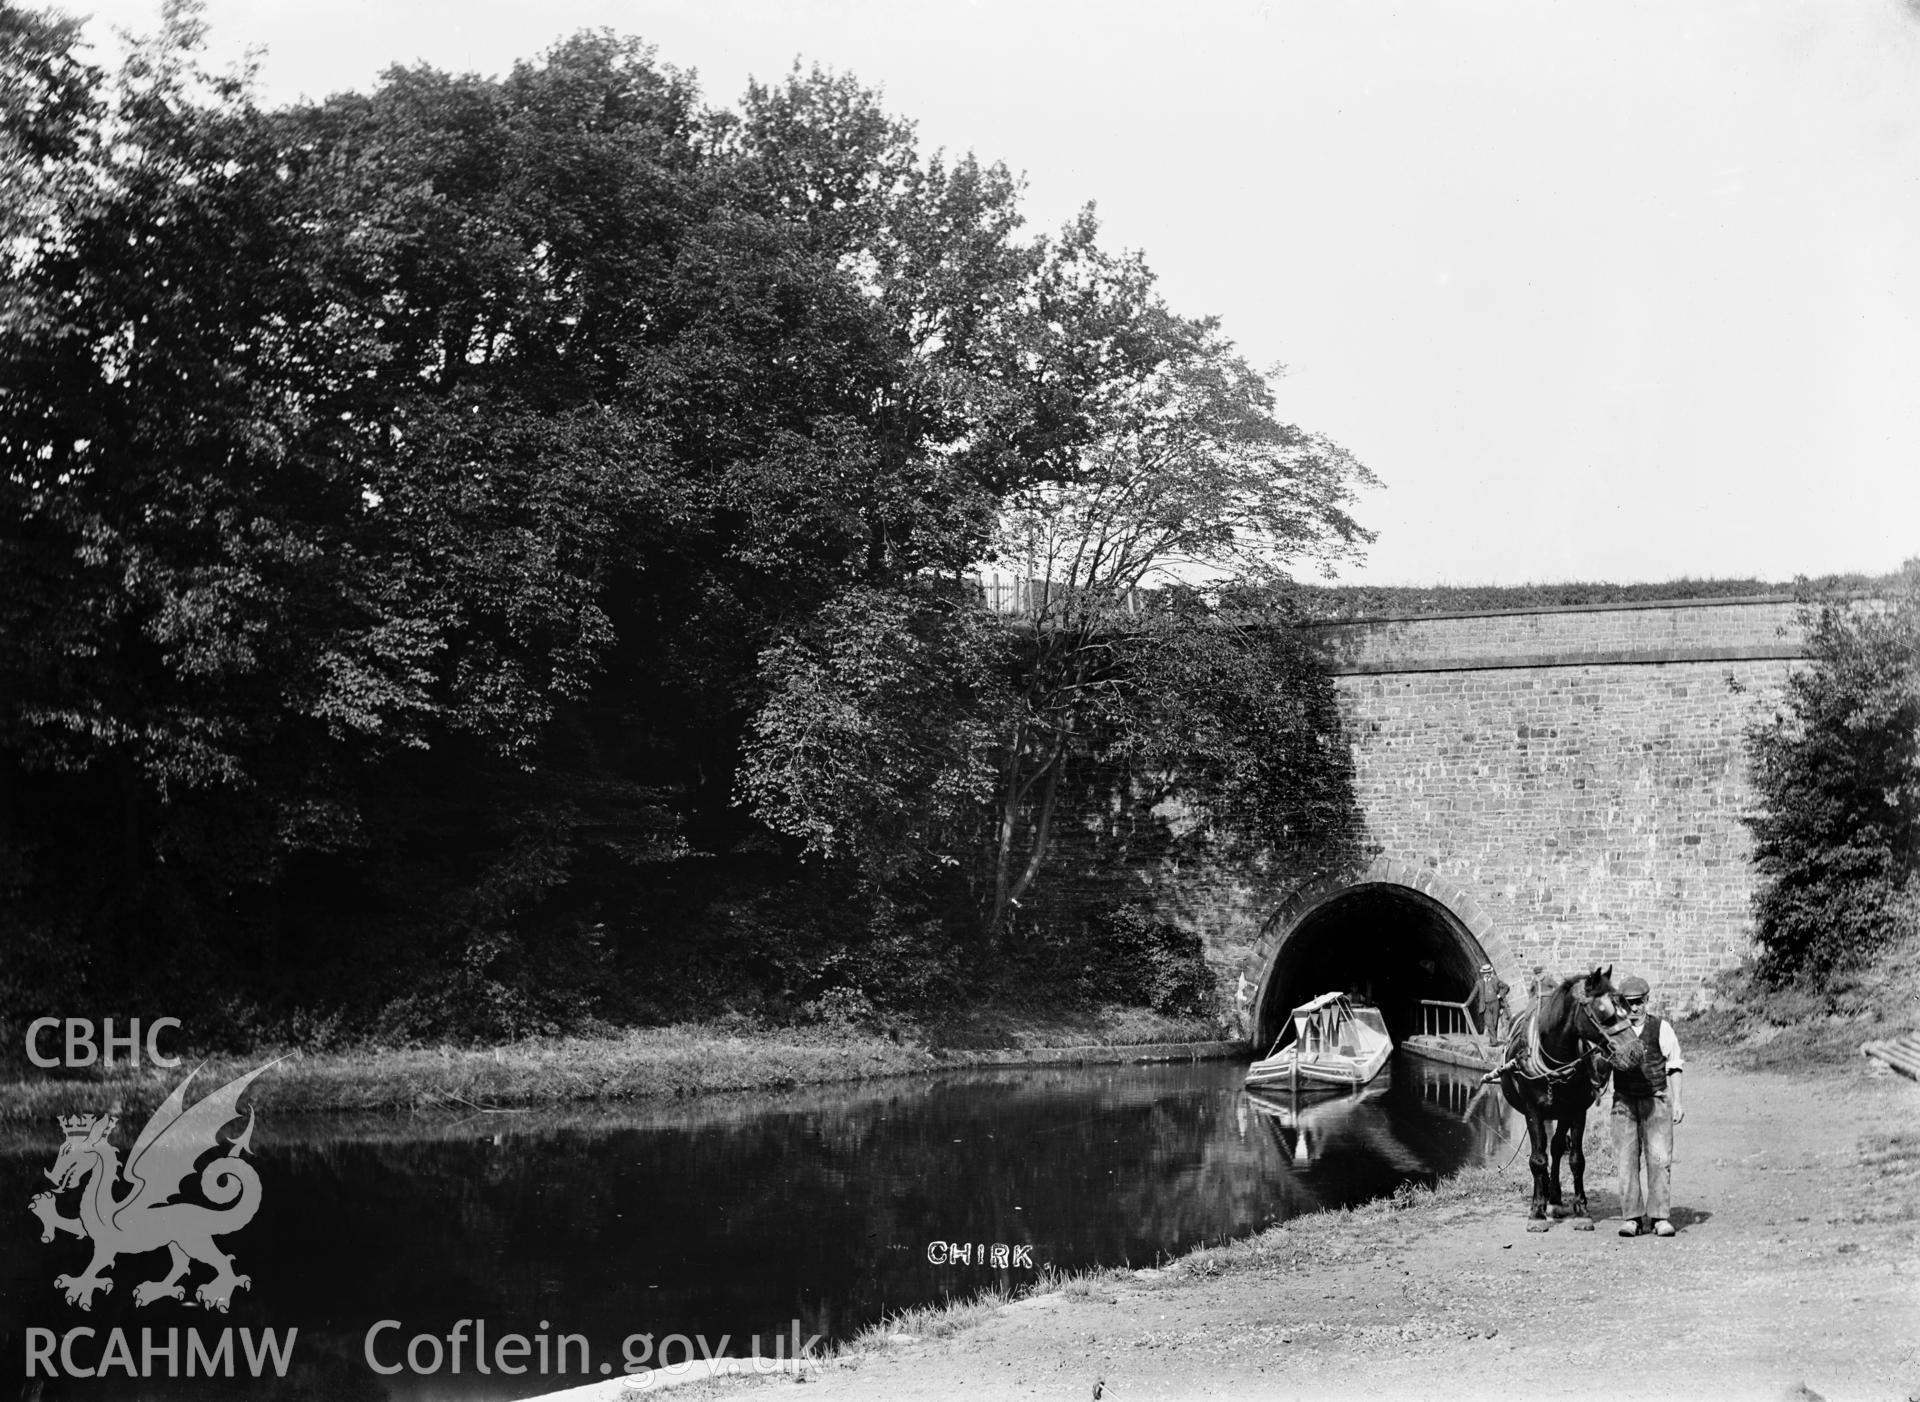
(1624, 292)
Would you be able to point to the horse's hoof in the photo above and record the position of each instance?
(1584, 1224)
(1539, 1226)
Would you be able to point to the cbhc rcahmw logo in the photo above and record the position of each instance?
(145, 1218)
(80, 1047)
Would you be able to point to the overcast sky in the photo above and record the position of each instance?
(1622, 292)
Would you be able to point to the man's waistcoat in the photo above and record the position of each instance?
(1650, 1078)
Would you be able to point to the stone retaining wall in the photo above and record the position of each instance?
(1580, 771)
(1568, 781)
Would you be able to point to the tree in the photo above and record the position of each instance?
(876, 742)
(1131, 446)
(1235, 716)
(167, 477)
(1837, 777)
(1191, 483)
(411, 501)
(399, 491)
(294, 487)
(50, 101)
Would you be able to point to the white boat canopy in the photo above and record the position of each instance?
(1325, 1000)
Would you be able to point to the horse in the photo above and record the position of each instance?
(1557, 1061)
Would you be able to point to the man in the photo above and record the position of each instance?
(1490, 1002)
(1646, 1107)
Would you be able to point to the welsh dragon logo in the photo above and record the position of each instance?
(145, 1218)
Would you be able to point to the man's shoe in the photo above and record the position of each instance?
(1629, 1228)
(1663, 1228)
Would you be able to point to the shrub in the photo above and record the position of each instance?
(907, 961)
(1837, 769)
(841, 1009)
(1127, 956)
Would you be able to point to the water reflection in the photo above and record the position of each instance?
(1371, 1132)
(744, 1215)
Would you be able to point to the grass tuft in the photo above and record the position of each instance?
(929, 1321)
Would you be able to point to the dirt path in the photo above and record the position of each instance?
(1796, 1272)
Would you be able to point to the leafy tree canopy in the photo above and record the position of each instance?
(1169, 467)
(414, 501)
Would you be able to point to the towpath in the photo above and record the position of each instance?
(1796, 1273)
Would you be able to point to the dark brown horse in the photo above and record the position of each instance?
(1558, 1058)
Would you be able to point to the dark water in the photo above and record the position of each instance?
(740, 1216)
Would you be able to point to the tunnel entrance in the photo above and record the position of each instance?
(1389, 944)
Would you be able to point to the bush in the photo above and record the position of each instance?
(1127, 956)
(789, 948)
(842, 1009)
(907, 962)
(1826, 924)
(1837, 831)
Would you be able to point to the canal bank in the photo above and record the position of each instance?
(639, 1064)
(1796, 1273)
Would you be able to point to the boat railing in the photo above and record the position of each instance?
(1440, 1018)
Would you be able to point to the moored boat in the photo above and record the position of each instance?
(1328, 1043)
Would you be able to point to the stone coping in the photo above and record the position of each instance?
(1622, 657)
(1518, 610)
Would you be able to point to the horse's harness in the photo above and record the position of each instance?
(1537, 1065)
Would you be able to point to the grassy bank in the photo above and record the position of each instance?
(1299, 1246)
(1758, 1028)
(689, 1059)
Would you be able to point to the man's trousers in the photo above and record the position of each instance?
(1643, 1139)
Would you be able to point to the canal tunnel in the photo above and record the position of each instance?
(1388, 944)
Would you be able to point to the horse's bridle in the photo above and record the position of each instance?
(1606, 1034)
(1599, 1036)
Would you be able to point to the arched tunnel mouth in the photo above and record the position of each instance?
(1389, 945)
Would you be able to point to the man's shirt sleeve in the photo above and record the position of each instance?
(1670, 1046)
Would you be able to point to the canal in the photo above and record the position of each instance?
(743, 1218)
